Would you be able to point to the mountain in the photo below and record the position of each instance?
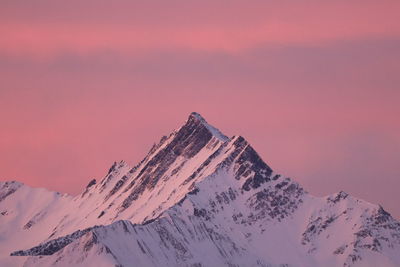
(198, 198)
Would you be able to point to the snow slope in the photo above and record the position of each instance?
(198, 198)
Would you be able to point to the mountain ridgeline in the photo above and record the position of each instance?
(198, 198)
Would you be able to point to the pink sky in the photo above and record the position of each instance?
(314, 86)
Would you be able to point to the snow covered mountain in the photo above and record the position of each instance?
(198, 198)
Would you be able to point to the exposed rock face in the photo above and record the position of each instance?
(8, 188)
(52, 246)
(186, 143)
(198, 198)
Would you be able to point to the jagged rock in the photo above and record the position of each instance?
(198, 198)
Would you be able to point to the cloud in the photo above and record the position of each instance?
(84, 27)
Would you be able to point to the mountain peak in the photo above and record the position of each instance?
(195, 193)
(196, 119)
(197, 116)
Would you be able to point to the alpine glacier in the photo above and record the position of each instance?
(198, 198)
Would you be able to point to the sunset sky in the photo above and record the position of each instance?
(314, 86)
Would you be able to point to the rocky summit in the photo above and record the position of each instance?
(198, 198)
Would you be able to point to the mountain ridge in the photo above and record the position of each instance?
(199, 190)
